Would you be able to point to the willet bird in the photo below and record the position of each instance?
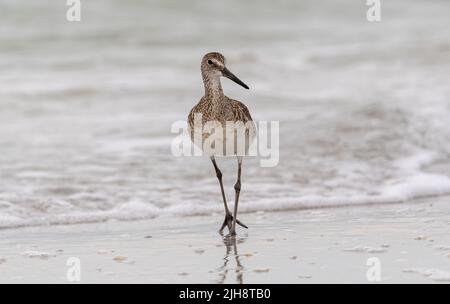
(216, 108)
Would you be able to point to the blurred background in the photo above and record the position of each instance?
(86, 107)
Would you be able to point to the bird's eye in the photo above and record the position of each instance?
(210, 62)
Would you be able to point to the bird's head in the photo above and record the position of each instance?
(213, 66)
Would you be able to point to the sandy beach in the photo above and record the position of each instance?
(410, 240)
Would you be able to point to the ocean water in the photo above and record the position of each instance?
(86, 108)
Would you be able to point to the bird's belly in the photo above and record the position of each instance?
(214, 139)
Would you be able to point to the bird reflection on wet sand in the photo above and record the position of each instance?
(231, 244)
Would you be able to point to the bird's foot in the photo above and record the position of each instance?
(228, 222)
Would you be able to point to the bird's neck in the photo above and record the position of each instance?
(213, 88)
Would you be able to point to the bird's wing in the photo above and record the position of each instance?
(240, 111)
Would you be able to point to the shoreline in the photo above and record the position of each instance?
(242, 210)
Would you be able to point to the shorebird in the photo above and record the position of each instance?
(217, 109)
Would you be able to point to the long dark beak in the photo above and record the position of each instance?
(229, 75)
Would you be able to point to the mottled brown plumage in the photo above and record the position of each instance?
(214, 107)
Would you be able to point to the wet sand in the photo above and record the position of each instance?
(411, 241)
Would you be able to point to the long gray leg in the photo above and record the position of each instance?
(228, 217)
(237, 188)
(227, 221)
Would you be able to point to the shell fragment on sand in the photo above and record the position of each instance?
(261, 270)
(37, 254)
(434, 274)
(421, 238)
(305, 277)
(441, 247)
(365, 249)
(123, 259)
